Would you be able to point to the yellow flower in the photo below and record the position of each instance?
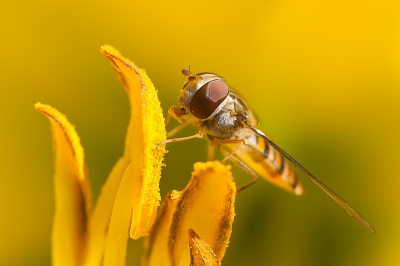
(130, 197)
(205, 205)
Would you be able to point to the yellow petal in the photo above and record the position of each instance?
(139, 196)
(207, 206)
(200, 252)
(72, 191)
(100, 218)
(117, 238)
(156, 244)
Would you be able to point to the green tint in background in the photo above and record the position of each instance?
(323, 77)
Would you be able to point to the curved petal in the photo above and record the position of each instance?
(156, 244)
(205, 205)
(72, 191)
(137, 197)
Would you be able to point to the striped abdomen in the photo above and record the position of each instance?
(269, 164)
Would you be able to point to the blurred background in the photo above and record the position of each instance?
(323, 78)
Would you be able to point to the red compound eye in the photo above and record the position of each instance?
(208, 98)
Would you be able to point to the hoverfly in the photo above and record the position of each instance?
(223, 117)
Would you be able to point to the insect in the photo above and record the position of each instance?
(223, 117)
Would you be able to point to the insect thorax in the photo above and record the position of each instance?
(225, 124)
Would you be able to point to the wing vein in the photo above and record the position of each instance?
(335, 197)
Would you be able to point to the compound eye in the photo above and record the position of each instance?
(208, 98)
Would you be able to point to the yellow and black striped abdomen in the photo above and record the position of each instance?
(269, 164)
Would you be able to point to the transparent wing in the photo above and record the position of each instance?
(335, 197)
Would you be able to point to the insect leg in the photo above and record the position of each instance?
(230, 156)
(167, 120)
(231, 153)
(210, 152)
(198, 135)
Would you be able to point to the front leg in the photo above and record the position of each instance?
(198, 135)
(178, 114)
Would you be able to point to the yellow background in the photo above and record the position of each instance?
(323, 77)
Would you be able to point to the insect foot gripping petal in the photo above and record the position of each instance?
(198, 135)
